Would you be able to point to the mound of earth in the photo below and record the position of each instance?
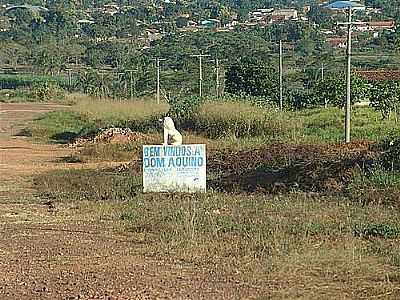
(284, 167)
(112, 136)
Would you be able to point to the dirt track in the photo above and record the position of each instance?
(60, 253)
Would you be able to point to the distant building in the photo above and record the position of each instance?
(337, 42)
(379, 75)
(285, 14)
(33, 8)
(340, 5)
(211, 23)
(260, 15)
(382, 25)
(376, 26)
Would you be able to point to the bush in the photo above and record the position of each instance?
(299, 99)
(183, 110)
(11, 81)
(332, 90)
(385, 98)
(46, 91)
(390, 157)
(253, 77)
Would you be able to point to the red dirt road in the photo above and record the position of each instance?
(65, 253)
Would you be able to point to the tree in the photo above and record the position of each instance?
(252, 77)
(12, 53)
(320, 15)
(385, 98)
(333, 90)
(49, 57)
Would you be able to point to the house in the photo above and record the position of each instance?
(211, 23)
(337, 42)
(33, 8)
(341, 5)
(260, 14)
(376, 26)
(285, 14)
(380, 75)
(382, 25)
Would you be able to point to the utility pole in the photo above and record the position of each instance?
(217, 76)
(322, 78)
(322, 71)
(349, 24)
(200, 56)
(131, 83)
(348, 78)
(102, 85)
(280, 76)
(158, 79)
(350, 5)
(120, 78)
(69, 78)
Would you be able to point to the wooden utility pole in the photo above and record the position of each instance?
(322, 71)
(200, 56)
(217, 76)
(158, 79)
(102, 85)
(69, 78)
(280, 76)
(130, 83)
(322, 78)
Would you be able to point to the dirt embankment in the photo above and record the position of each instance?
(282, 167)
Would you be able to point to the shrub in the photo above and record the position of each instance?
(333, 90)
(46, 91)
(253, 77)
(183, 110)
(385, 98)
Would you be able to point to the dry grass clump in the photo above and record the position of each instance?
(119, 110)
(240, 119)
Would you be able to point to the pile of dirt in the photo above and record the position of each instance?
(285, 167)
(112, 135)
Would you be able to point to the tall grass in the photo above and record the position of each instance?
(241, 120)
(110, 109)
(327, 125)
(232, 122)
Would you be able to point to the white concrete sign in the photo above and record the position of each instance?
(174, 168)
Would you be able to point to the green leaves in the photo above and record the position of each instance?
(253, 77)
(182, 109)
(332, 90)
(385, 98)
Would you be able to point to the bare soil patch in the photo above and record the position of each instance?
(113, 136)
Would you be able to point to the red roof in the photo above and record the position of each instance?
(386, 24)
(378, 75)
